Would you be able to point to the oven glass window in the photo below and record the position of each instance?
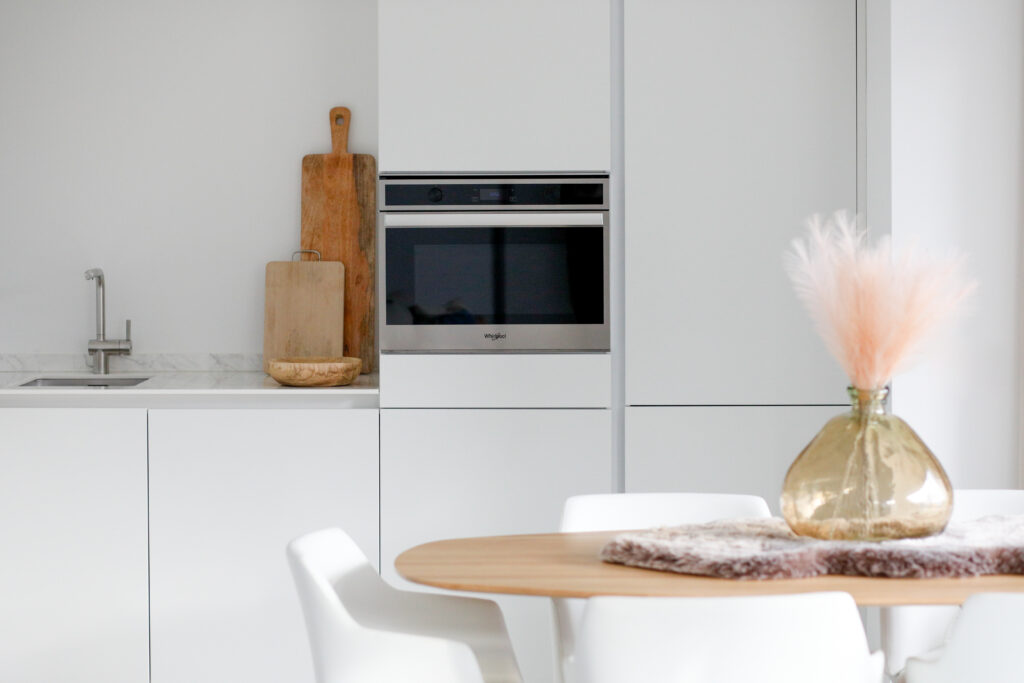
(481, 276)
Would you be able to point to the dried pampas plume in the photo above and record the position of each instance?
(874, 308)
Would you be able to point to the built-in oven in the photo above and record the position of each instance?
(494, 263)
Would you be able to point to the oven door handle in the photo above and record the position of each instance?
(463, 219)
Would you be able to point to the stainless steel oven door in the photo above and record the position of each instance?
(496, 281)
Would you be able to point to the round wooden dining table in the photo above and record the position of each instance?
(569, 565)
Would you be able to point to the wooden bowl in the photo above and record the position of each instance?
(315, 372)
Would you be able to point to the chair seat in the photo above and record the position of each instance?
(476, 622)
(930, 656)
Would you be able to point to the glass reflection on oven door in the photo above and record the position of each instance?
(495, 276)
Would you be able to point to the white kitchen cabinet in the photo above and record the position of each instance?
(228, 490)
(740, 121)
(450, 473)
(718, 449)
(469, 86)
(495, 380)
(73, 602)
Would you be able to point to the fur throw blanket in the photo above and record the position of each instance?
(767, 549)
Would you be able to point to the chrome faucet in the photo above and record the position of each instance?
(101, 348)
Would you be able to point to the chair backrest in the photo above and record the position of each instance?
(361, 630)
(971, 504)
(621, 511)
(984, 644)
(615, 511)
(328, 566)
(806, 638)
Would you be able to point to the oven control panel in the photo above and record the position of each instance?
(503, 193)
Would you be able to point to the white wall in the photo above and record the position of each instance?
(958, 181)
(162, 141)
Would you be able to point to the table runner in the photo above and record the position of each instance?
(767, 549)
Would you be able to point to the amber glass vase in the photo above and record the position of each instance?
(866, 476)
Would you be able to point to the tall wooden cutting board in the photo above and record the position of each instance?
(339, 219)
(304, 312)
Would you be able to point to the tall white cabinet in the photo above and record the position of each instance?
(451, 473)
(468, 86)
(228, 490)
(718, 449)
(73, 594)
(740, 121)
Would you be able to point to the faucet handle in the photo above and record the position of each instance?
(128, 329)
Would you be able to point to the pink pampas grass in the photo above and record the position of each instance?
(872, 307)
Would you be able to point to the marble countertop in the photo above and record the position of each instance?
(186, 390)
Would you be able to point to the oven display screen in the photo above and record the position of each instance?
(481, 276)
(495, 194)
(492, 194)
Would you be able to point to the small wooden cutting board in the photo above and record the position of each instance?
(304, 314)
(339, 219)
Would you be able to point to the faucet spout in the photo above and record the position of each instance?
(101, 303)
(102, 348)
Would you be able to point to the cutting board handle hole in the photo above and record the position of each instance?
(339, 120)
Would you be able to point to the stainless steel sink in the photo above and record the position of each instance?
(98, 382)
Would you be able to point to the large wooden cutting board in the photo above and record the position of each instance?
(339, 219)
(304, 314)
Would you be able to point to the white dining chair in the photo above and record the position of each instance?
(361, 630)
(621, 511)
(913, 631)
(807, 638)
(984, 644)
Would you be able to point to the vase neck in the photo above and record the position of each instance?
(868, 401)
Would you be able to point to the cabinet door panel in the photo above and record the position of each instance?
(451, 473)
(719, 449)
(494, 86)
(740, 121)
(228, 490)
(73, 602)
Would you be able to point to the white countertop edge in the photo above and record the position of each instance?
(186, 390)
(131, 391)
(190, 401)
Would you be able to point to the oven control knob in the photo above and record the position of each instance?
(434, 194)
